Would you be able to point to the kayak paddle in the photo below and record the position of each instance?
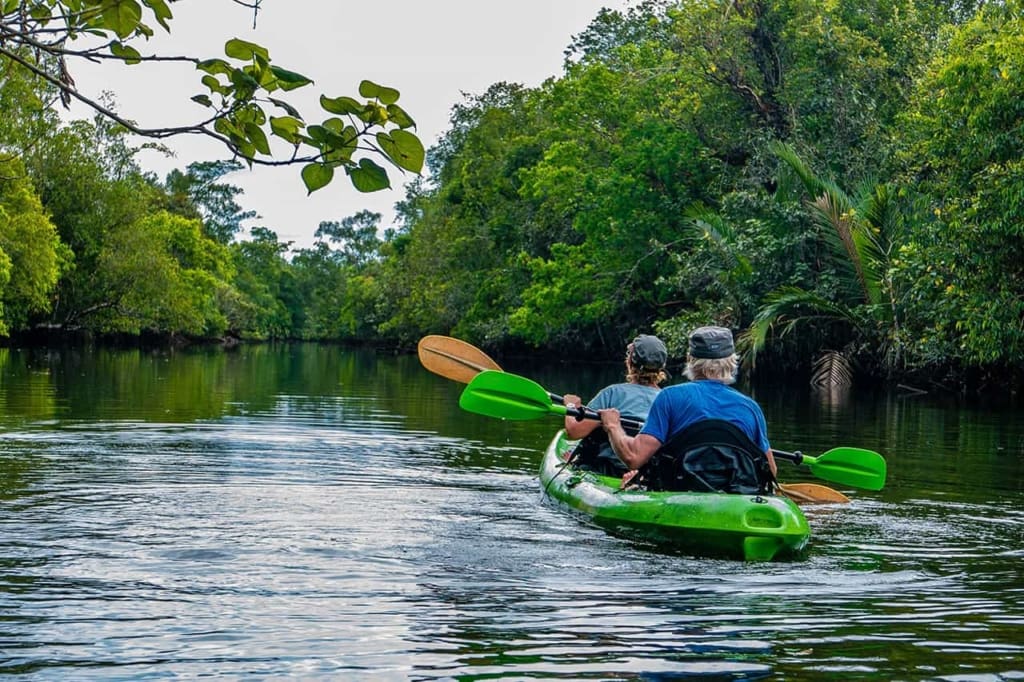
(459, 361)
(812, 493)
(855, 467)
(453, 359)
(493, 393)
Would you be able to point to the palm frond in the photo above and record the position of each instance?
(882, 223)
(800, 304)
(855, 228)
(834, 213)
(786, 153)
(788, 307)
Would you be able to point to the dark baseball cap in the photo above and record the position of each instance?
(648, 352)
(711, 343)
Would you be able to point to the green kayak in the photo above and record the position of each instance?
(749, 527)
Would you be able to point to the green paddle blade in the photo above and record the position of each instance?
(498, 394)
(855, 467)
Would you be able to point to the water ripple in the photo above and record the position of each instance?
(287, 545)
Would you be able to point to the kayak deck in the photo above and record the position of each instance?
(749, 527)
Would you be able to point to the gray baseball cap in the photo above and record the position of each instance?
(648, 352)
(711, 343)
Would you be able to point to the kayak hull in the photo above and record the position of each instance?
(748, 527)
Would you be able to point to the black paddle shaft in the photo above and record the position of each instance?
(581, 413)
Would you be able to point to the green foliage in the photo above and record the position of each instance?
(641, 186)
(962, 144)
(691, 165)
(242, 92)
(356, 236)
(469, 230)
(89, 183)
(860, 234)
(31, 253)
(163, 274)
(196, 193)
(268, 308)
(321, 280)
(339, 287)
(26, 116)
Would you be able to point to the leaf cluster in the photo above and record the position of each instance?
(245, 93)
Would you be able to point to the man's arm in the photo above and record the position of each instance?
(576, 428)
(633, 451)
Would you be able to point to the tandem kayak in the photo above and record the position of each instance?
(749, 527)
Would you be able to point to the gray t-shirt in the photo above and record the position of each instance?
(631, 400)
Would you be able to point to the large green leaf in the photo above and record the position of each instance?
(292, 111)
(236, 48)
(369, 177)
(161, 11)
(286, 127)
(122, 17)
(383, 94)
(397, 115)
(126, 52)
(215, 85)
(257, 137)
(289, 80)
(215, 66)
(340, 105)
(317, 175)
(404, 148)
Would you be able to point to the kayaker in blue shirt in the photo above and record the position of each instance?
(711, 367)
(646, 357)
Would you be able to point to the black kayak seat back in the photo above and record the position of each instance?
(712, 455)
(586, 452)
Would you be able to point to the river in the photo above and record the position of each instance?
(313, 512)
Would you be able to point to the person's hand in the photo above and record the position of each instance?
(627, 477)
(610, 417)
(570, 400)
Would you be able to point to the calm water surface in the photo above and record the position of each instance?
(317, 513)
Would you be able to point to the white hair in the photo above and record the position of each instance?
(717, 369)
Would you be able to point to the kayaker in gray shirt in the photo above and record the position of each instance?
(646, 358)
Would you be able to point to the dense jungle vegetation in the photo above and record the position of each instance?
(841, 182)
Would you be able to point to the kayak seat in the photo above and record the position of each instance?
(712, 455)
(587, 454)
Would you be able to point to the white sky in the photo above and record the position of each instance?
(432, 51)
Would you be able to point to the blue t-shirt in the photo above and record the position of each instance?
(631, 400)
(679, 406)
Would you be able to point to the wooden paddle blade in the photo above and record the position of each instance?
(855, 467)
(493, 393)
(453, 359)
(812, 493)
